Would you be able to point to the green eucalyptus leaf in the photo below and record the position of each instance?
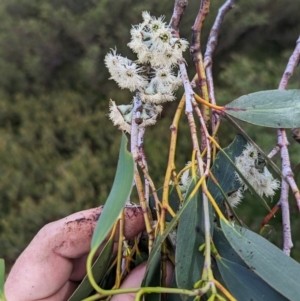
(225, 249)
(265, 260)
(273, 108)
(2, 279)
(224, 171)
(174, 202)
(190, 236)
(153, 277)
(118, 196)
(245, 285)
(99, 269)
(250, 140)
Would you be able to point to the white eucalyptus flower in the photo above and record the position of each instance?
(180, 45)
(122, 115)
(117, 118)
(235, 198)
(145, 56)
(146, 17)
(258, 176)
(129, 78)
(125, 72)
(155, 25)
(149, 114)
(157, 98)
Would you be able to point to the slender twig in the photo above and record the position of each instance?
(205, 131)
(210, 48)
(141, 134)
(292, 63)
(270, 215)
(274, 151)
(214, 33)
(169, 172)
(287, 241)
(189, 93)
(120, 259)
(286, 165)
(137, 109)
(190, 105)
(195, 50)
(142, 162)
(179, 9)
(137, 104)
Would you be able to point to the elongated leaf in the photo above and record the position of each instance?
(244, 284)
(99, 269)
(2, 279)
(224, 171)
(190, 236)
(118, 195)
(174, 202)
(265, 260)
(273, 108)
(249, 139)
(153, 277)
(225, 249)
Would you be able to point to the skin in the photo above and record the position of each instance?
(53, 264)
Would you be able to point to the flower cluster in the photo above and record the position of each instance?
(125, 72)
(121, 116)
(151, 74)
(153, 43)
(252, 166)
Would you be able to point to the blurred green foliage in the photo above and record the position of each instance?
(58, 150)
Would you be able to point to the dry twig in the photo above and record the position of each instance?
(285, 159)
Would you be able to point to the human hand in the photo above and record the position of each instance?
(54, 263)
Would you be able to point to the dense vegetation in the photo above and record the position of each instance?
(58, 149)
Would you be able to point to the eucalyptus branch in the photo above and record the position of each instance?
(270, 214)
(190, 104)
(210, 48)
(143, 160)
(179, 9)
(287, 241)
(274, 151)
(189, 93)
(214, 33)
(195, 50)
(169, 173)
(206, 135)
(286, 165)
(137, 105)
(153, 189)
(120, 259)
(159, 50)
(292, 63)
(197, 27)
(136, 117)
